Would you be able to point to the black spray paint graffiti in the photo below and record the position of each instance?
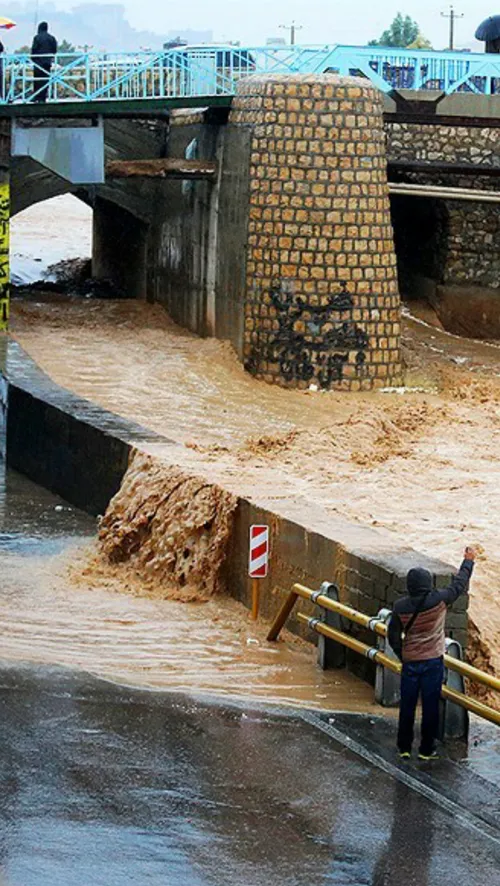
(312, 342)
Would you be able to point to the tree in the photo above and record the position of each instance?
(420, 43)
(66, 46)
(403, 31)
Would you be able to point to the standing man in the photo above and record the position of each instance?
(416, 633)
(43, 51)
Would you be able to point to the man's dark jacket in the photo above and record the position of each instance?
(426, 637)
(44, 48)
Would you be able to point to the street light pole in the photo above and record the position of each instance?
(292, 28)
(452, 15)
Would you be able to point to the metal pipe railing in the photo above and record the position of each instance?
(215, 70)
(445, 193)
(376, 655)
(371, 623)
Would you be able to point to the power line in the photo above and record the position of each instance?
(452, 15)
(292, 28)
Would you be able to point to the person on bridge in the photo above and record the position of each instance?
(416, 634)
(43, 50)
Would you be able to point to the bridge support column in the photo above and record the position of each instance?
(119, 242)
(321, 295)
(4, 223)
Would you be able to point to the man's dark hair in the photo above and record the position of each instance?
(43, 26)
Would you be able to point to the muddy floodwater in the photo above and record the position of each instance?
(58, 607)
(46, 234)
(421, 465)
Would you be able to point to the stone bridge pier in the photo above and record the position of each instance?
(290, 253)
(269, 226)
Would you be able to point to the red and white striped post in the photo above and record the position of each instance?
(258, 562)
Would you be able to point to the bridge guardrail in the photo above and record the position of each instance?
(215, 70)
(378, 625)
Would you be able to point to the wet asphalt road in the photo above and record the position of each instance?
(109, 786)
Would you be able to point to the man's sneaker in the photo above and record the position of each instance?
(432, 756)
(404, 755)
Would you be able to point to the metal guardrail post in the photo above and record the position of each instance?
(454, 719)
(387, 683)
(330, 654)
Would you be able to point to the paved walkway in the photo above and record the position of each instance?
(112, 786)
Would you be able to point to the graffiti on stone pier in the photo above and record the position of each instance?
(312, 342)
(4, 255)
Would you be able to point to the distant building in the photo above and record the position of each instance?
(275, 41)
(175, 43)
(190, 37)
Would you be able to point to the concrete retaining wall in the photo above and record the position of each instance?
(77, 450)
(366, 581)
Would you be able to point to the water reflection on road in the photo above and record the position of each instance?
(107, 786)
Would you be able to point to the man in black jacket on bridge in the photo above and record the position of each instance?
(43, 51)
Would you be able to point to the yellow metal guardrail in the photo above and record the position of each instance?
(379, 627)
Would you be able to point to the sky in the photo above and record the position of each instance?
(323, 21)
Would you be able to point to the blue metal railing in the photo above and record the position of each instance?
(211, 71)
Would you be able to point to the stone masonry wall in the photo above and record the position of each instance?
(466, 239)
(456, 243)
(322, 303)
(451, 144)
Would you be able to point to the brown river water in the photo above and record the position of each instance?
(421, 465)
(61, 604)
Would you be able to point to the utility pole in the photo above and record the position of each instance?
(452, 15)
(292, 28)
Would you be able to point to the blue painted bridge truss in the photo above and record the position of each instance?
(191, 72)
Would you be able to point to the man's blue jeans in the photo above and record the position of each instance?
(423, 678)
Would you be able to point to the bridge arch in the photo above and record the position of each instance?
(120, 220)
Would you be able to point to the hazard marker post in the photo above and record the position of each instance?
(258, 562)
